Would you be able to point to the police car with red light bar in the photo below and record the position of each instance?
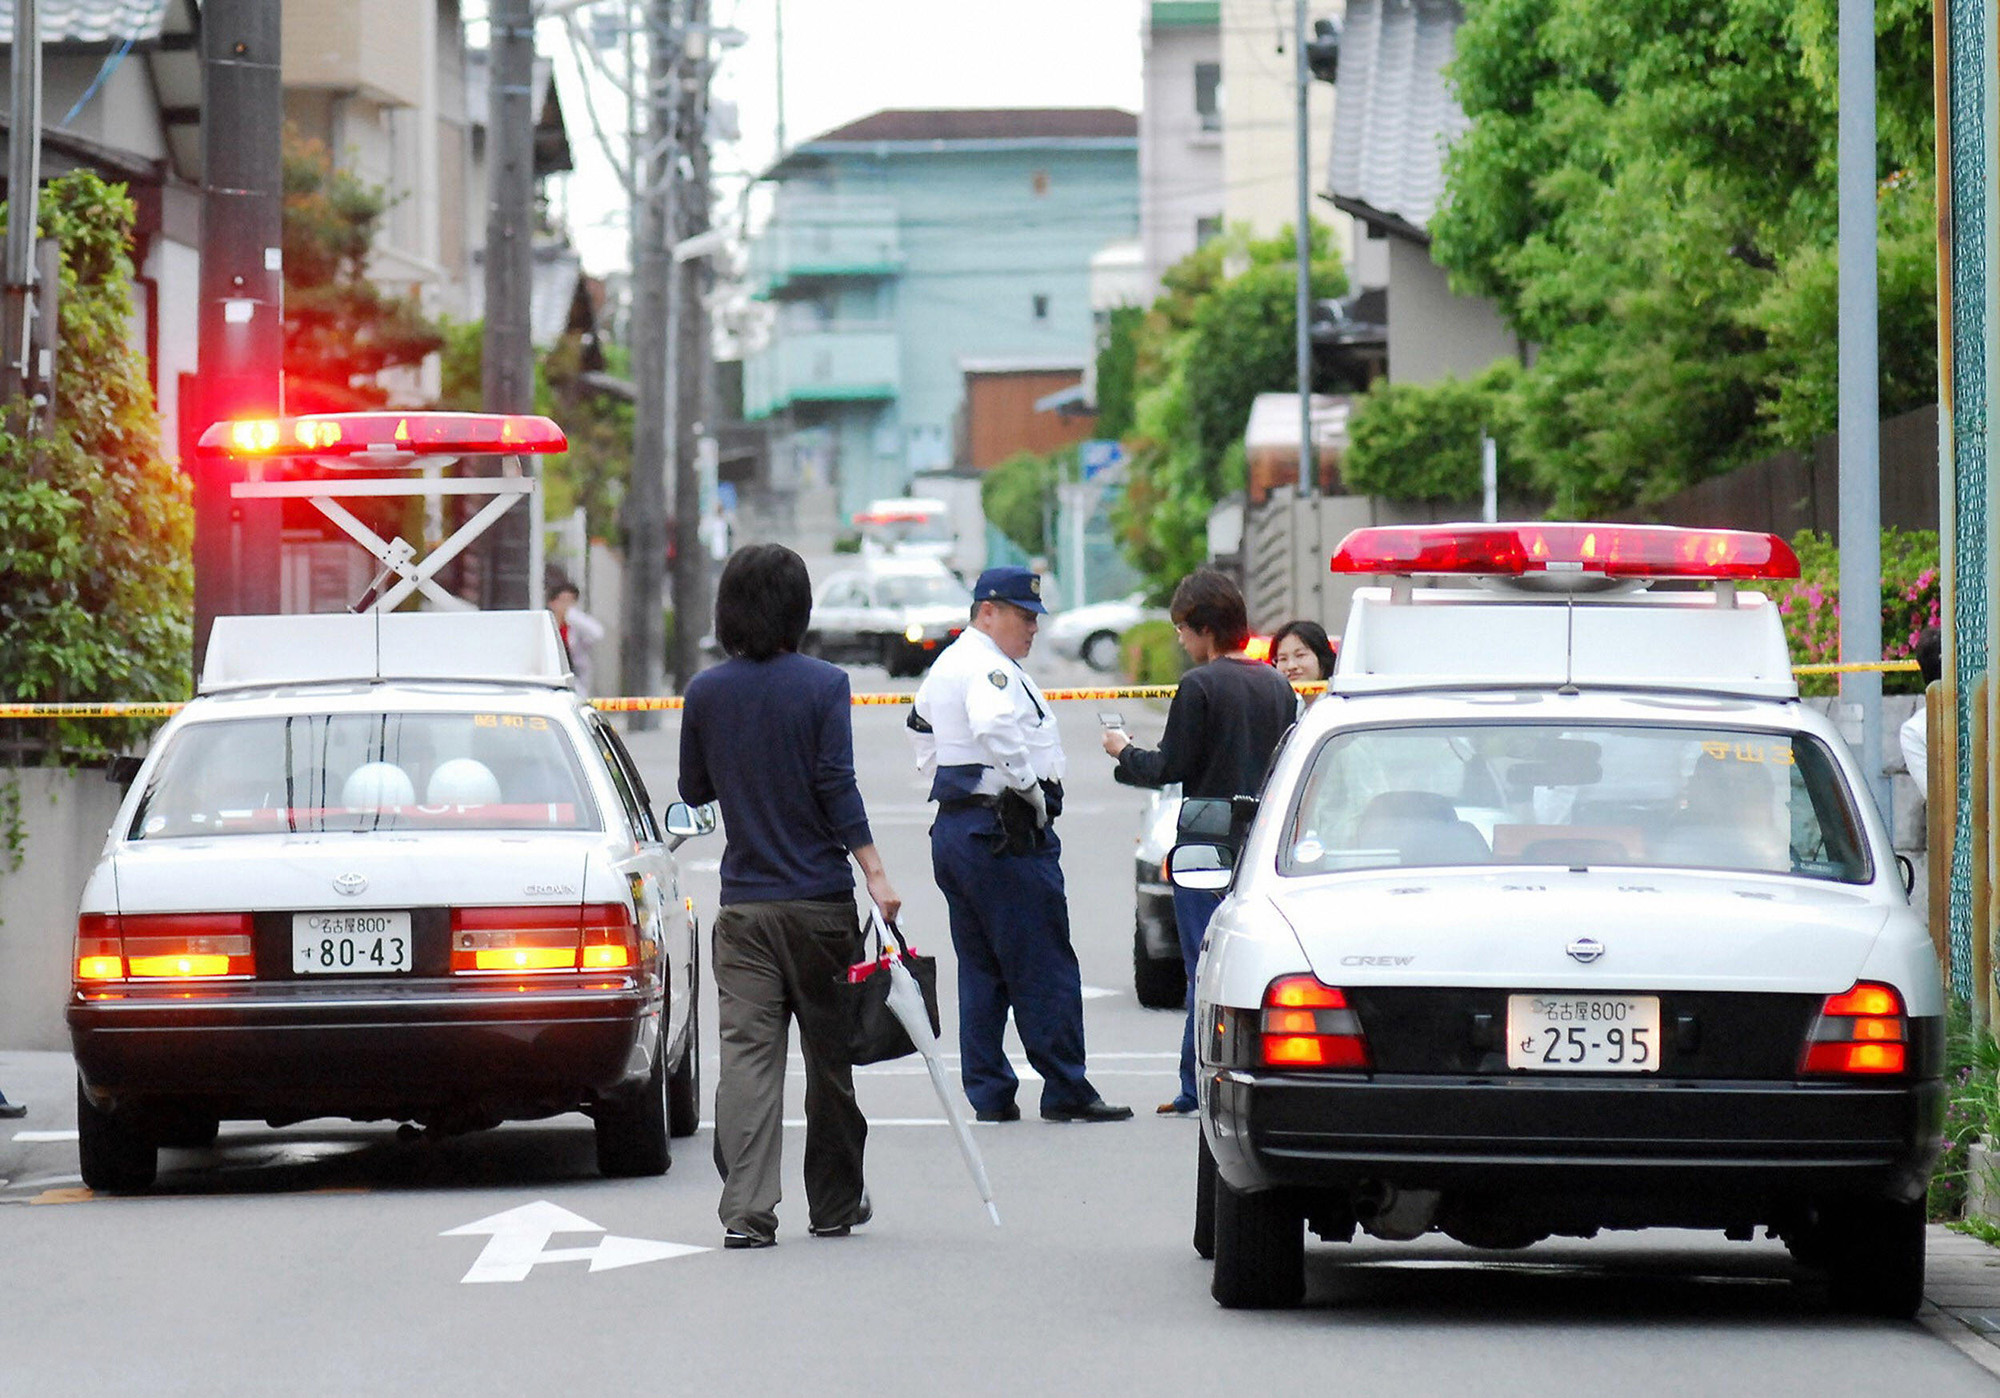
(1561, 913)
(386, 866)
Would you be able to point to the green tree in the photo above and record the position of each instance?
(96, 587)
(1117, 371)
(1208, 346)
(341, 329)
(1422, 441)
(1018, 496)
(1647, 191)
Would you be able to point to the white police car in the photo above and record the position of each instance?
(1561, 913)
(386, 866)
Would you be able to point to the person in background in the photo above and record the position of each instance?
(1915, 732)
(988, 741)
(1301, 651)
(769, 734)
(1227, 718)
(580, 631)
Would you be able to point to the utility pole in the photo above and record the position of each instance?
(645, 509)
(691, 353)
(507, 365)
(24, 158)
(241, 319)
(1302, 343)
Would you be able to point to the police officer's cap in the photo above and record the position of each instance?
(1014, 585)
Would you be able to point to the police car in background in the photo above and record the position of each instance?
(898, 613)
(1562, 913)
(385, 866)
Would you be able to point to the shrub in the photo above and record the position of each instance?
(1911, 601)
(1420, 442)
(1150, 653)
(1972, 1106)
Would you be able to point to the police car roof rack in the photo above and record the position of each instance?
(1564, 607)
(261, 652)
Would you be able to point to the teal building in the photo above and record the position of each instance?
(910, 247)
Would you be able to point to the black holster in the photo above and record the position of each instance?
(1017, 832)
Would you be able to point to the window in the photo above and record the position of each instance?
(362, 772)
(1651, 797)
(1208, 95)
(1041, 307)
(1207, 228)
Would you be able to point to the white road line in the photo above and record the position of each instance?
(30, 1137)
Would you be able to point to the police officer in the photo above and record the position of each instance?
(987, 737)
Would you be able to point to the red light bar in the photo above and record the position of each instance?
(357, 434)
(890, 517)
(1612, 550)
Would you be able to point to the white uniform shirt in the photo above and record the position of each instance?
(982, 708)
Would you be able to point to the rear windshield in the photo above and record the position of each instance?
(1669, 797)
(362, 772)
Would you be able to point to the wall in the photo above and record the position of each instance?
(1433, 332)
(1001, 419)
(66, 815)
(1180, 161)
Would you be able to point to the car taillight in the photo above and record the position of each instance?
(590, 937)
(163, 946)
(1307, 1024)
(1861, 1030)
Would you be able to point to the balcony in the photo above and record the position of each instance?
(832, 364)
(813, 238)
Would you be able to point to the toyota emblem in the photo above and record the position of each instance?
(1585, 949)
(350, 885)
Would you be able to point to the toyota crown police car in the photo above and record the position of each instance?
(1561, 913)
(386, 866)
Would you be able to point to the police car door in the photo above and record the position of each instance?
(655, 877)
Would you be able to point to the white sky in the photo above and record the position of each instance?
(846, 58)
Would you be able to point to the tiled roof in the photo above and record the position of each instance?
(91, 21)
(1395, 115)
(987, 124)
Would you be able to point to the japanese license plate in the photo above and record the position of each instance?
(350, 944)
(1584, 1033)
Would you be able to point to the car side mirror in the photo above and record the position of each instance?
(1909, 873)
(1201, 867)
(120, 770)
(685, 822)
(1205, 818)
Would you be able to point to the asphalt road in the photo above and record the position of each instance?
(334, 1259)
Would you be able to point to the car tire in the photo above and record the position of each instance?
(684, 1088)
(189, 1131)
(895, 659)
(1260, 1249)
(632, 1134)
(1100, 650)
(1874, 1254)
(1204, 1199)
(1161, 982)
(113, 1155)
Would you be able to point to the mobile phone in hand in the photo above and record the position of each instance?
(1111, 718)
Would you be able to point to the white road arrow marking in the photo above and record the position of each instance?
(518, 1239)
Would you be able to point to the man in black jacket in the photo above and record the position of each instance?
(1227, 718)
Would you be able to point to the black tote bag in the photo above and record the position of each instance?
(873, 1032)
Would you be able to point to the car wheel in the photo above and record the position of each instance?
(1100, 650)
(632, 1135)
(893, 659)
(1160, 981)
(1875, 1258)
(684, 1088)
(113, 1154)
(1260, 1249)
(1204, 1199)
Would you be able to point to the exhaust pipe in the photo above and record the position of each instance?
(1395, 1215)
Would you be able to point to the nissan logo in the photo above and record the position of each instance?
(350, 885)
(1585, 949)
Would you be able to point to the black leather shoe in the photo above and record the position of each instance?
(9, 1111)
(1010, 1112)
(862, 1214)
(733, 1239)
(1099, 1110)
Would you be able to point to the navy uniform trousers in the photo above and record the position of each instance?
(1010, 928)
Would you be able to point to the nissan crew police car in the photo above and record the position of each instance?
(385, 867)
(1561, 913)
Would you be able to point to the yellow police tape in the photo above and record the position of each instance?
(654, 704)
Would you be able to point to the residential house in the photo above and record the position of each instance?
(1260, 114)
(121, 95)
(910, 248)
(1181, 185)
(1395, 119)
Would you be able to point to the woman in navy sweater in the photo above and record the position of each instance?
(768, 734)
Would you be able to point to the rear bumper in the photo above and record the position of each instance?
(369, 1052)
(1767, 1145)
